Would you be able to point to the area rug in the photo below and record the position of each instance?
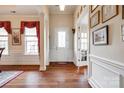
(7, 76)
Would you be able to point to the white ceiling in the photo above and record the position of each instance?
(34, 9)
(20, 9)
(69, 9)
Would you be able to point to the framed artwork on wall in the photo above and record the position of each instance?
(109, 12)
(122, 11)
(93, 7)
(100, 36)
(16, 36)
(122, 32)
(81, 9)
(95, 19)
(78, 15)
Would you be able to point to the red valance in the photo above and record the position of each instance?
(6, 25)
(31, 24)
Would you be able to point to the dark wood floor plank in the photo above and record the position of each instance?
(19, 67)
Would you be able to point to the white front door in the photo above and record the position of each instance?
(62, 46)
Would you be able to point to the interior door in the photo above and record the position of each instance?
(62, 48)
(82, 48)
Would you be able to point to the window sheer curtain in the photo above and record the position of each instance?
(31, 24)
(6, 25)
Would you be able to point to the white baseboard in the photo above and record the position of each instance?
(93, 83)
(85, 63)
(47, 64)
(42, 68)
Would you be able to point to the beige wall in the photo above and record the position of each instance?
(115, 49)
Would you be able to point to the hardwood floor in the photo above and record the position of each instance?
(56, 76)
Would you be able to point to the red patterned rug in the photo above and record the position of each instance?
(7, 76)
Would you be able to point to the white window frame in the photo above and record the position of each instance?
(25, 47)
(84, 43)
(61, 41)
(4, 41)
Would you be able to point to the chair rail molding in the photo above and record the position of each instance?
(109, 61)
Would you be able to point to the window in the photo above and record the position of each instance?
(4, 40)
(31, 41)
(61, 39)
(83, 41)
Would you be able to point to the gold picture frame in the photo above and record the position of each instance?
(95, 19)
(93, 7)
(81, 9)
(122, 32)
(16, 36)
(122, 11)
(109, 12)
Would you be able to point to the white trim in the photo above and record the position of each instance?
(42, 68)
(97, 63)
(75, 63)
(94, 83)
(112, 66)
(117, 64)
(47, 63)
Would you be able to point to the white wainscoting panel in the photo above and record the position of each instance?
(19, 59)
(105, 73)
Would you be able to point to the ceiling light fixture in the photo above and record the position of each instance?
(62, 7)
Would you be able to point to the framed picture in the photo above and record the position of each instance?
(93, 7)
(109, 12)
(122, 11)
(95, 19)
(100, 36)
(81, 9)
(122, 32)
(16, 36)
(78, 15)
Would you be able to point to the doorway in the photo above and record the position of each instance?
(82, 46)
(61, 45)
(82, 28)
